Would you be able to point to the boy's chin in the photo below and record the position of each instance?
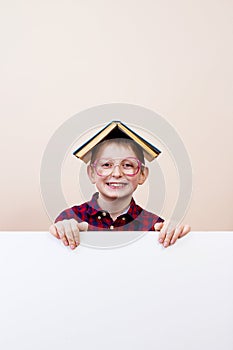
(115, 193)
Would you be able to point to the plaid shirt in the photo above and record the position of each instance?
(136, 218)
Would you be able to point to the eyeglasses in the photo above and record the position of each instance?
(129, 166)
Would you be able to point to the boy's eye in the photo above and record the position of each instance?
(129, 164)
(106, 165)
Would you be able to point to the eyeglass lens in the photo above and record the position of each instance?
(128, 166)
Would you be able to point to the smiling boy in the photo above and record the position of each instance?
(117, 167)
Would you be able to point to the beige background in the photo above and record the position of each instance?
(61, 57)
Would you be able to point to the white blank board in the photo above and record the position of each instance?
(141, 296)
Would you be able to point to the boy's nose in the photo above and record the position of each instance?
(117, 171)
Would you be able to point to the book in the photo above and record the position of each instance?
(116, 129)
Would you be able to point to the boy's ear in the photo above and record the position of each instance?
(143, 175)
(91, 173)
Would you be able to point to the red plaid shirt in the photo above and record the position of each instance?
(136, 218)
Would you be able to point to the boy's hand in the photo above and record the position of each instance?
(170, 235)
(68, 231)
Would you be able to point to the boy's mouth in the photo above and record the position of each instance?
(115, 185)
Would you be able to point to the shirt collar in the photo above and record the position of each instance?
(94, 208)
(134, 209)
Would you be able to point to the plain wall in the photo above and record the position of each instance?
(61, 57)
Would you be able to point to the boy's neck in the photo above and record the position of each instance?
(115, 206)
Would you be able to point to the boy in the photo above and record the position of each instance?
(116, 167)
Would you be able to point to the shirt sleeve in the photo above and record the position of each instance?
(67, 214)
(155, 221)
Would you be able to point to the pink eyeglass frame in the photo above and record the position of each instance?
(140, 165)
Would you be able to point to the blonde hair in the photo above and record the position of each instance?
(118, 141)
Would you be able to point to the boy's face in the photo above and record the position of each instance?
(117, 184)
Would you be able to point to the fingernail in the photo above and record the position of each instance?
(66, 243)
(161, 240)
(165, 244)
(72, 246)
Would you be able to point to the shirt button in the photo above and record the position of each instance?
(99, 217)
(111, 227)
(104, 214)
(123, 219)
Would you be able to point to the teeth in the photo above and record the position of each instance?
(115, 184)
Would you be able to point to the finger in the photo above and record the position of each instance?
(176, 235)
(83, 226)
(186, 229)
(168, 238)
(69, 233)
(75, 228)
(61, 232)
(162, 234)
(158, 226)
(53, 231)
